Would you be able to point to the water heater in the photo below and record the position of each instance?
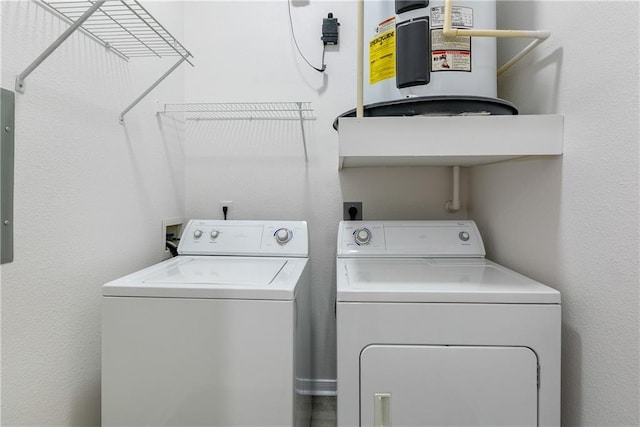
(411, 68)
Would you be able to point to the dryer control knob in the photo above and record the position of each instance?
(197, 234)
(362, 236)
(283, 235)
(215, 234)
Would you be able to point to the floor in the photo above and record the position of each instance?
(323, 411)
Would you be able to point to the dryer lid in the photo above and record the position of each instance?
(442, 280)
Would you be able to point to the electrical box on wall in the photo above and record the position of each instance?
(352, 211)
(7, 119)
(330, 30)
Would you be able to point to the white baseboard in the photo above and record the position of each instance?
(316, 387)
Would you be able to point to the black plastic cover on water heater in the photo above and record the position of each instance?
(412, 52)
(407, 5)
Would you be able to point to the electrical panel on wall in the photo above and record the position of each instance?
(7, 119)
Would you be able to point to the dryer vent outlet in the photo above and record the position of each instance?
(352, 211)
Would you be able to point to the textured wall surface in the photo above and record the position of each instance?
(572, 222)
(90, 196)
(245, 53)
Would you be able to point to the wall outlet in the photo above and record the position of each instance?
(229, 205)
(350, 208)
(171, 231)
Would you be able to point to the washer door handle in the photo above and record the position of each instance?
(381, 404)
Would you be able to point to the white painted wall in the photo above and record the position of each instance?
(572, 222)
(90, 196)
(245, 53)
(84, 183)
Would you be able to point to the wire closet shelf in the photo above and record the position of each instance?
(301, 111)
(123, 26)
(298, 111)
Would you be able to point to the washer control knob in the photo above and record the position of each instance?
(214, 234)
(362, 236)
(283, 235)
(464, 236)
(197, 234)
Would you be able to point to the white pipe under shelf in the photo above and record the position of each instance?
(453, 205)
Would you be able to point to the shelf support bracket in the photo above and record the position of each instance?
(304, 138)
(153, 86)
(20, 78)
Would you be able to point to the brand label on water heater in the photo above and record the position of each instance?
(460, 16)
(382, 48)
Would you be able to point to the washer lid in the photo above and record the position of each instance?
(213, 277)
(444, 280)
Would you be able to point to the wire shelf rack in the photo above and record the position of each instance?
(244, 111)
(298, 111)
(122, 25)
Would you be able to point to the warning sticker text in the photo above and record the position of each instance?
(451, 53)
(386, 25)
(450, 60)
(382, 62)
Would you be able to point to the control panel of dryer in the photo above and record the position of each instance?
(409, 238)
(248, 238)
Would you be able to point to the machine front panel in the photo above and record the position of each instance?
(428, 385)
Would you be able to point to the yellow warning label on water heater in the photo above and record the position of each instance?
(382, 61)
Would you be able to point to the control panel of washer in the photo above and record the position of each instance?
(410, 238)
(250, 238)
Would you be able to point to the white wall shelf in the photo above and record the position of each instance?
(447, 141)
(242, 110)
(298, 111)
(123, 26)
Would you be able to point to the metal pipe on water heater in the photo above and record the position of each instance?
(539, 35)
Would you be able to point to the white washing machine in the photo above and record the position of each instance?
(430, 333)
(217, 336)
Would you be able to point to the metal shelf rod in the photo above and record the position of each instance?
(153, 86)
(304, 139)
(20, 78)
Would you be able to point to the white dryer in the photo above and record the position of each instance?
(217, 336)
(430, 333)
